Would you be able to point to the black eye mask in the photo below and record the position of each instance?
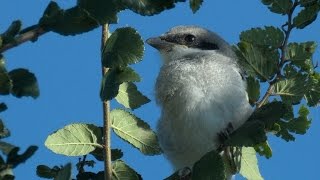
(190, 41)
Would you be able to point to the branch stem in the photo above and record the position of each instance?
(283, 50)
(106, 116)
(29, 35)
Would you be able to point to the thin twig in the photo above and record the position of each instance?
(106, 116)
(283, 50)
(30, 35)
(81, 164)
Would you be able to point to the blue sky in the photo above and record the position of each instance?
(68, 71)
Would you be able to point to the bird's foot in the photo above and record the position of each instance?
(224, 135)
(185, 173)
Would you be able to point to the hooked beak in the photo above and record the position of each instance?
(159, 43)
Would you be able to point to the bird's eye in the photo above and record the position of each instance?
(189, 38)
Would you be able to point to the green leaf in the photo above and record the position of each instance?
(75, 140)
(2, 64)
(300, 54)
(292, 89)
(115, 154)
(67, 22)
(135, 131)
(210, 166)
(9, 35)
(280, 7)
(64, 173)
(147, 7)
(4, 132)
(14, 159)
(123, 47)
(264, 149)
(47, 172)
(3, 107)
(305, 3)
(104, 11)
(306, 16)
(269, 36)
(249, 164)
(121, 171)
(109, 85)
(130, 97)
(127, 74)
(298, 125)
(5, 83)
(258, 62)
(6, 148)
(253, 89)
(195, 5)
(24, 83)
(313, 94)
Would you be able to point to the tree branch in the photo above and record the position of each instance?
(283, 50)
(106, 116)
(29, 35)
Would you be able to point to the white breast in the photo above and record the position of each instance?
(199, 98)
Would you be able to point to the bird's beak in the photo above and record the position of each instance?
(158, 43)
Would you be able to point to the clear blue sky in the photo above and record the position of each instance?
(68, 71)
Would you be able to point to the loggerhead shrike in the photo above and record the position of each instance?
(201, 91)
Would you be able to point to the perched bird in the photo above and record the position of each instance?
(201, 91)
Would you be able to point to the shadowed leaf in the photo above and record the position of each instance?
(195, 5)
(64, 173)
(280, 7)
(123, 47)
(24, 83)
(306, 16)
(47, 172)
(115, 154)
(210, 166)
(253, 90)
(15, 159)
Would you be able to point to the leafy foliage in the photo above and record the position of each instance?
(280, 7)
(195, 5)
(123, 47)
(130, 97)
(269, 36)
(120, 171)
(135, 131)
(249, 164)
(75, 140)
(253, 89)
(307, 15)
(24, 83)
(210, 166)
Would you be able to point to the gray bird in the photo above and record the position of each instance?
(201, 91)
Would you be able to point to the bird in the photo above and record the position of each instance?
(201, 91)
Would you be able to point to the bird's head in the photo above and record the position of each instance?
(189, 41)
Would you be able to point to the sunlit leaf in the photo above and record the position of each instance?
(75, 140)
(148, 7)
(306, 16)
(135, 131)
(313, 94)
(130, 97)
(269, 36)
(292, 89)
(121, 171)
(123, 47)
(249, 164)
(210, 166)
(24, 83)
(258, 62)
(278, 6)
